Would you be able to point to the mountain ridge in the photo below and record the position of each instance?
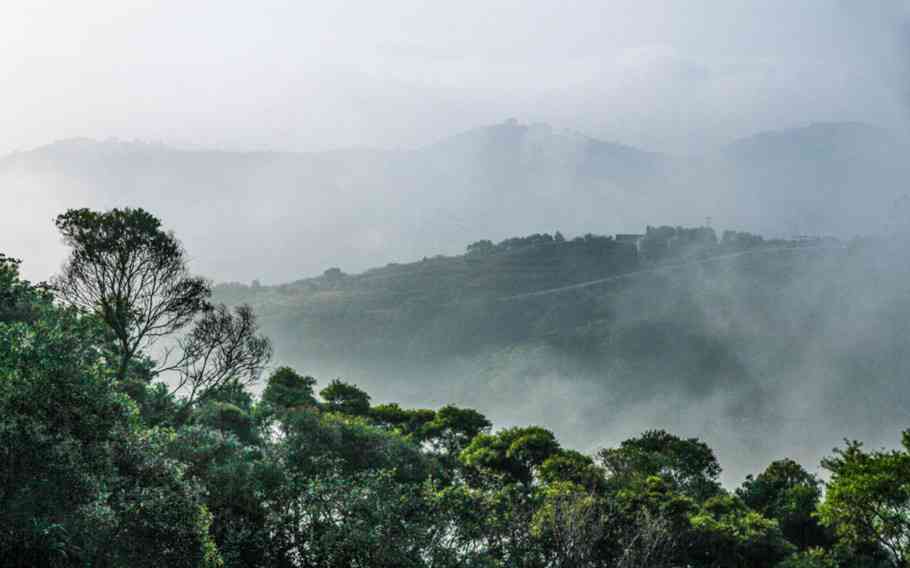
(114, 142)
(77, 143)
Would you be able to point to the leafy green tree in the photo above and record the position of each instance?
(689, 465)
(82, 484)
(133, 274)
(480, 248)
(158, 407)
(369, 519)
(345, 398)
(17, 296)
(573, 467)
(406, 421)
(235, 392)
(452, 428)
(352, 444)
(790, 495)
(515, 453)
(241, 484)
(867, 501)
(287, 390)
(500, 524)
(725, 533)
(160, 517)
(227, 418)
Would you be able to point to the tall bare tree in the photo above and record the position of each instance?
(132, 273)
(222, 348)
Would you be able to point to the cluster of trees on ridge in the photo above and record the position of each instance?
(656, 244)
(129, 438)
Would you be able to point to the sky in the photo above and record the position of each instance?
(669, 76)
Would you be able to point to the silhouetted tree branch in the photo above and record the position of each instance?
(133, 274)
(222, 349)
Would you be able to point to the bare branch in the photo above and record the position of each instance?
(223, 347)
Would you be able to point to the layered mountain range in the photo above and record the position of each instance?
(279, 216)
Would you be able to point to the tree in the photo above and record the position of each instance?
(287, 390)
(788, 494)
(452, 428)
(133, 274)
(481, 248)
(81, 483)
(367, 519)
(222, 349)
(17, 296)
(725, 533)
(574, 525)
(241, 485)
(515, 453)
(650, 539)
(689, 465)
(407, 421)
(351, 443)
(573, 467)
(345, 398)
(500, 523)
(652, 525)
(227, 418)
(868, 499)
(161, 518)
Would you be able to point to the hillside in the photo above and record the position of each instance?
(734, 330)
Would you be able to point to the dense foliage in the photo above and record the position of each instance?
(105, 463)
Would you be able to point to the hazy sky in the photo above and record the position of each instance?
(675, 76)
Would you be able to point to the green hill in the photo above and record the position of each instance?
(595, 337)
(493, 295)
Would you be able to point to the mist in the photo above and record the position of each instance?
(281, 142)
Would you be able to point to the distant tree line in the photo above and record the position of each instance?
(117, 453)
(656, 244)
(486, 246)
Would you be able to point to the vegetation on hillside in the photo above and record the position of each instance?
(118, 456)
(450, 306)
